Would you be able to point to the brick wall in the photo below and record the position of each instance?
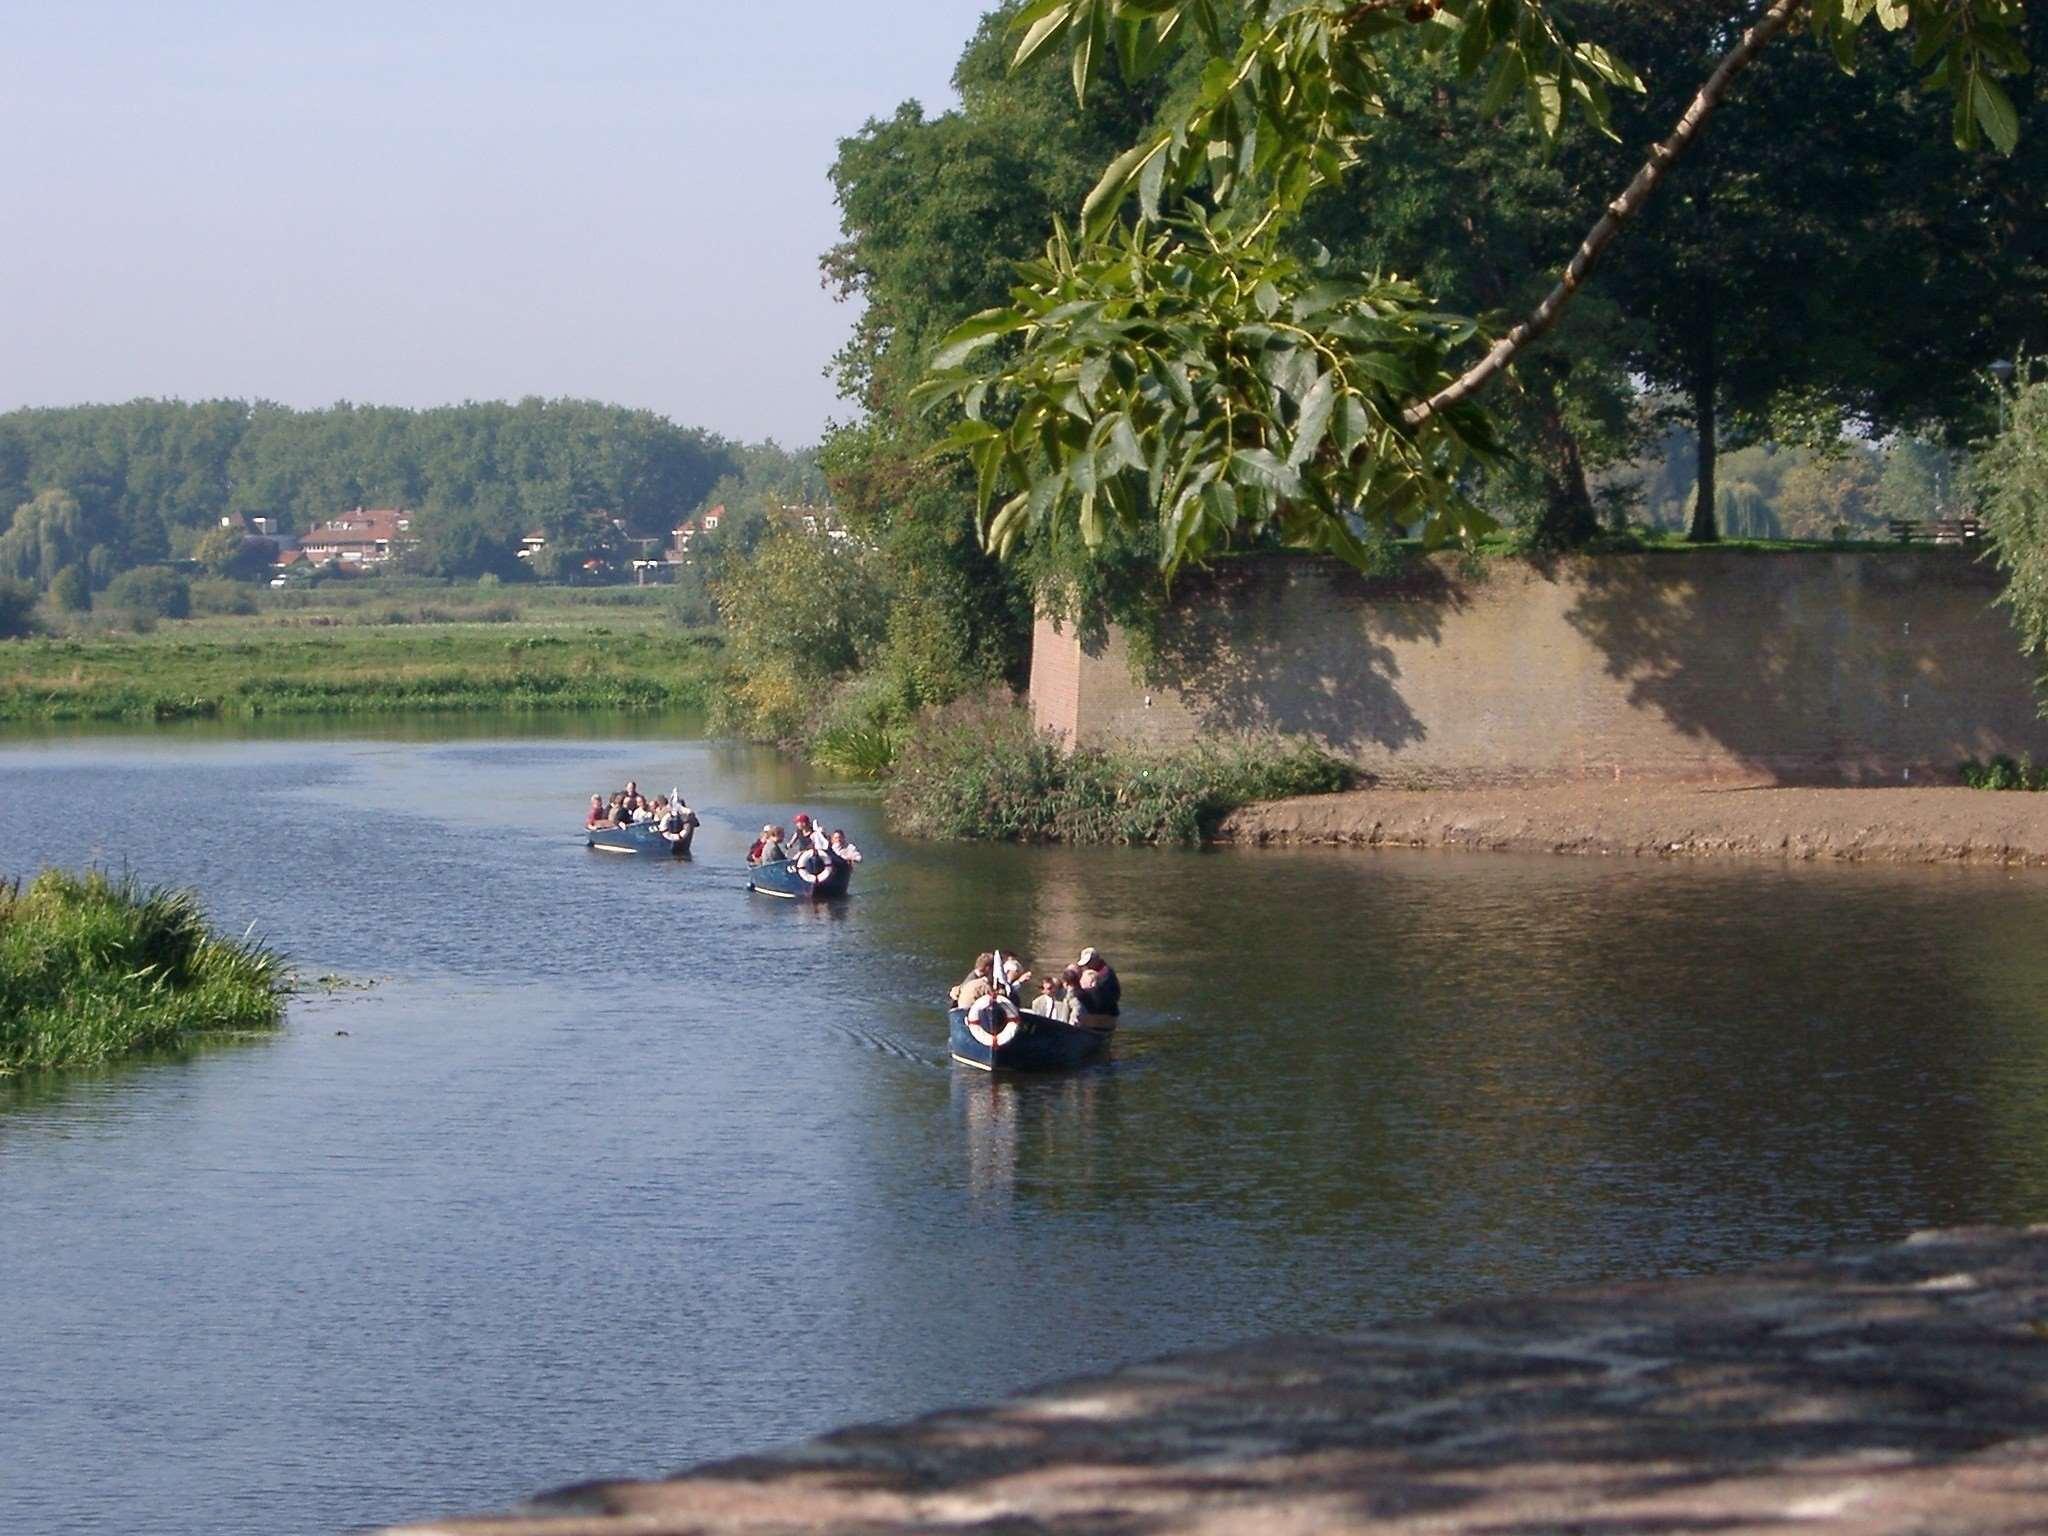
(1719, 665)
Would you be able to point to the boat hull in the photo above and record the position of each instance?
(780, 878)
(1040, 1045)
(641, 838)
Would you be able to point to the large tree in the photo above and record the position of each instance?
(936, 213)
(1185, 369)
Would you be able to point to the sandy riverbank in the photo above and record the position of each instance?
(1896, 826)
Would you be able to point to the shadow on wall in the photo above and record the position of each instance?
(1881, 670)
(1248, 655)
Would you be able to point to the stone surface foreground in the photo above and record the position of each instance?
(1898, 1390)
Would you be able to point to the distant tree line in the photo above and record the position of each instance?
(100, 489)
(1850, 488)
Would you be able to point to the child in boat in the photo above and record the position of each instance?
(599, 816)
(841, 849)
(1054, 1001)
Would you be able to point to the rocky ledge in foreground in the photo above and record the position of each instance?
(1899, 1390)
(1895, 826)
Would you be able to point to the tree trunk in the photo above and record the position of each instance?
(1704, 528)
(1568, 519)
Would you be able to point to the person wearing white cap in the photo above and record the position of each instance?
(1101, 992)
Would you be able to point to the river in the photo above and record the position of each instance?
(614, 1167)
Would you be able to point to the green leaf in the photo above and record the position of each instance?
(1152, 183)
(1316, 408)
(1260, 469)
(1090, 519)
(1043, 24)
(988, 464)
(1354, 424)
(1098, 211)
(1090, 21)
(1994, 109)
(971, 335)
(1546, 105)
(1608, 67)
(1123, 443)
(1093, 373)
(1508, 77)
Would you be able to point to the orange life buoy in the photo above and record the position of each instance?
(1004, 1032)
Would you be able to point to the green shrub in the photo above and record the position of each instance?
(217, 595)
(2003, 772)
(979, 771)
(860, 730)
(91, 968)
(801, 614)
(150, 592)
(71, 591)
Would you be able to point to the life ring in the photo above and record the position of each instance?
(977, 1021)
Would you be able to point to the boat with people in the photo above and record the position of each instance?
(807, 864)
(628, 822)
(1068, 1024)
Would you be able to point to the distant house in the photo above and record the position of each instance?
(712, 518)
(250, 527)
(368, 536)
(532, 544)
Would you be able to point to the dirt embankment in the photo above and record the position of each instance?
(1897, 826)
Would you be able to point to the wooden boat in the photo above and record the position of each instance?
(1035, 1044)
(780, 877)
(642, 837)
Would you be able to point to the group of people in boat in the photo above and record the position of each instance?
(670, 814)
(808, 845)
(1086, 992)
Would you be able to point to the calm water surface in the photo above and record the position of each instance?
(616, 1168)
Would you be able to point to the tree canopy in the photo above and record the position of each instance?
(1180, 360)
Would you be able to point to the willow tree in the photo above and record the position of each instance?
(1172, 365)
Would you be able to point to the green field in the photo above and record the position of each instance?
(364, 649)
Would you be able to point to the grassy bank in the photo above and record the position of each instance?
(982, 773)
(359, 652)
(93, 968)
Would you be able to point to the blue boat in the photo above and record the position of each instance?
(781, 877)
(1033, 1044)
(642, 837)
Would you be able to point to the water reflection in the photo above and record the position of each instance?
(1045, 1124)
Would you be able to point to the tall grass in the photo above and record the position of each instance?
(980, 772)
(92, 968)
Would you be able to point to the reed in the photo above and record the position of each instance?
(93, 967)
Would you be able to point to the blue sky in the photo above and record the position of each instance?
(412, 204)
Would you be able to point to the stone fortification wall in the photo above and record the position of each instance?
(1701, 666)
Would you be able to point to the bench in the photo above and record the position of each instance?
(1936, 530)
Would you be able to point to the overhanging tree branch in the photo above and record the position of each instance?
(1638, 192)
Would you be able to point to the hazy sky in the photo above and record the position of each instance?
(418, 203)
